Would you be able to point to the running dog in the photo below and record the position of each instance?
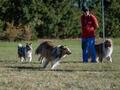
(25, 52)
(51, 53)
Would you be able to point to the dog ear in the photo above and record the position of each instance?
(61, 46)
(30, 43)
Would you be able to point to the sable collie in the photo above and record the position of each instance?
(51, 53)
(25, 52)
(104, 50)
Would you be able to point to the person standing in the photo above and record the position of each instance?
(89, 24)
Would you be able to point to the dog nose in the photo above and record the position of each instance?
(69, 53)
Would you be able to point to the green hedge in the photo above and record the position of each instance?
(57, 18)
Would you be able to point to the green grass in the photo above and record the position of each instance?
(71, 74)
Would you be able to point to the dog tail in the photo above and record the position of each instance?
(38, 50)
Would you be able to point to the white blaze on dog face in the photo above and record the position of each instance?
(69, 50)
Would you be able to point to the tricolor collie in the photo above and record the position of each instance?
(104, 50)
(25, 52)
(51, 53)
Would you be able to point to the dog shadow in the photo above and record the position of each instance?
(25, 68)
(75, 70)
(30, 68)
(71, 62)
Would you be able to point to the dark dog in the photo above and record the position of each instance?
(25, 52)
(51, 53)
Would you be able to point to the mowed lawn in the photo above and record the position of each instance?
(71, 74)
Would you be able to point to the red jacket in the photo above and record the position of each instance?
(89, 24)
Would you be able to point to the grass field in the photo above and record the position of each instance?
(71, 74)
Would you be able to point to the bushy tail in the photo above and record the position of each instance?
(42, 46)
(38, 50)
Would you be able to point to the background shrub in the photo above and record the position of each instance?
(32, 19)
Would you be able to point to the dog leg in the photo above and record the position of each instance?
(109, 58)
(21, 59)
(100, 59)
(45, 63)
(30, 59)
(40, 59)
(25, 58)
(54, 64)
(97, 59)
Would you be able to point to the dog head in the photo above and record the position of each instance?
(108, 43)
(65, 50)
(29, 46)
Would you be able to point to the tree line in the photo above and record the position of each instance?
(32, 19)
